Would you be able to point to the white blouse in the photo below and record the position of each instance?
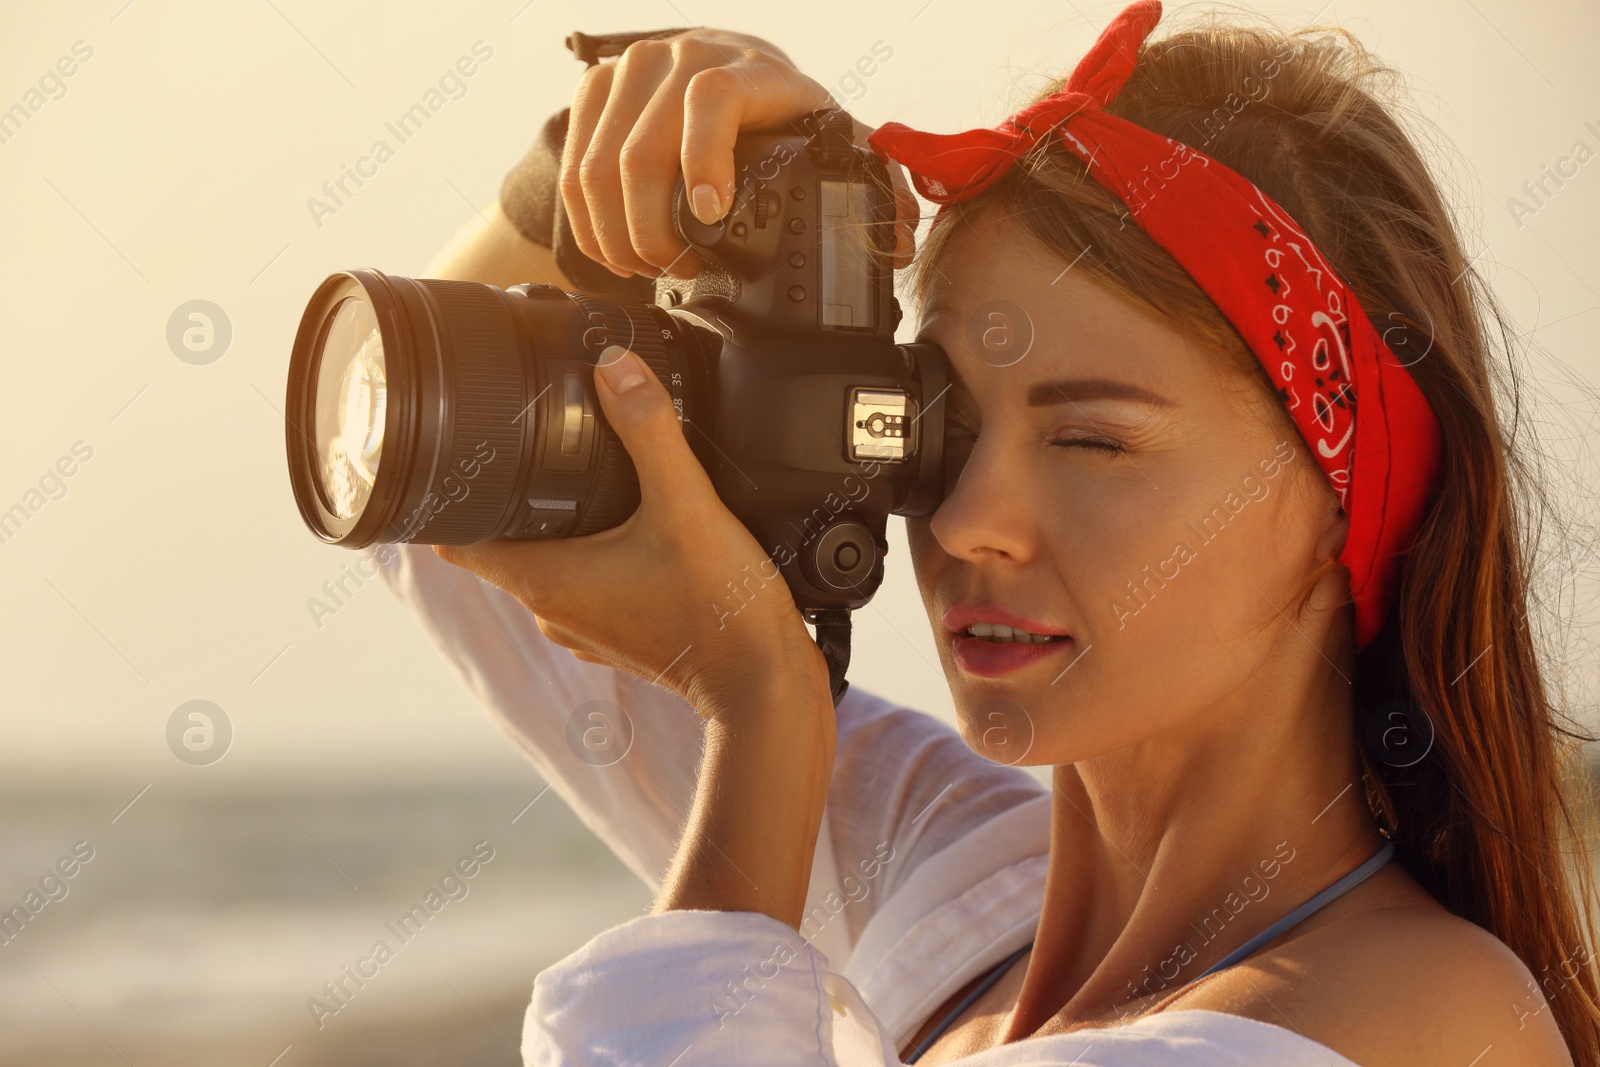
(929, 870)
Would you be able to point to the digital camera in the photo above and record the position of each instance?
(449, 412)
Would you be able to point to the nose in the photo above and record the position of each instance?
(987, 515)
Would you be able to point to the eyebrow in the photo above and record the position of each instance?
(1072, 390)
(1065, 390)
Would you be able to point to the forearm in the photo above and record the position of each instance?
(487, 248)
(751, 832)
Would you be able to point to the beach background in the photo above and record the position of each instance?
(183, 160)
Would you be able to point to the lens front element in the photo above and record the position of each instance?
(350, 402)
(478, 403)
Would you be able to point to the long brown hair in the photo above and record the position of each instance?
(1494, 821)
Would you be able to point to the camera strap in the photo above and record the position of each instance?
(592, 48)
(833, 637)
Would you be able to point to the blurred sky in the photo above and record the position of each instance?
(177, 163)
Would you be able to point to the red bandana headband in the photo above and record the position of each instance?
(1259, 268)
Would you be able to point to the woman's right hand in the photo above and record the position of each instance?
(677, 105)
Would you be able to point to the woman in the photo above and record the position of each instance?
(1246, 721)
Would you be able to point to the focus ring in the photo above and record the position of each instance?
(616, 490)
(479, 462)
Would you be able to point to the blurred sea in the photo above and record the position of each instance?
(205, 922)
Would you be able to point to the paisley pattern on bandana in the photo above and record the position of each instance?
(1289, 253)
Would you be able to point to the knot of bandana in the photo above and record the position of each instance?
(957, 166)
(1262, 271)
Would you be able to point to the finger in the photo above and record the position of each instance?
(650, 162)
(641, 412)
(587, 105)
(640, 72)
(713, 105)
(718, 102)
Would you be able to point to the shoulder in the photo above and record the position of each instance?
(1408, 985)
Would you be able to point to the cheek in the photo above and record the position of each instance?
(1100, 532)
(927, 557)
(917, 537)
(1208, 575)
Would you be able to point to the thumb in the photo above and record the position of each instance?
(641, 412)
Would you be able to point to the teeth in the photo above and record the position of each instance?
(994, 631)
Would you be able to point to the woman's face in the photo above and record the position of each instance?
(1119, 487)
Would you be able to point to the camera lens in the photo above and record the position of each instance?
(449, 412)
(350, 403)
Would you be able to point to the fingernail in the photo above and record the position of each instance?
(622, 369)
(705, 203)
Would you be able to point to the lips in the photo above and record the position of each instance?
(962, 615)
(993, 659)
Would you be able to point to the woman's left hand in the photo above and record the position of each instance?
(651, 596)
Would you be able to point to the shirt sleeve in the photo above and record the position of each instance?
(621, 752)
(708, 988)
(905, 786)
(624, 753)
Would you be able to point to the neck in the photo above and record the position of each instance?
(1169, 854)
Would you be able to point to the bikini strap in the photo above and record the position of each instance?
(1267, 936)
(966, 1002)
(1322, 899)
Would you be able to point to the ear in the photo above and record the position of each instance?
(1330, 542)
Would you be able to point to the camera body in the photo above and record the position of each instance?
(816, 413)
(451, 412)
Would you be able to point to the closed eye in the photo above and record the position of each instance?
(1100, 444)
